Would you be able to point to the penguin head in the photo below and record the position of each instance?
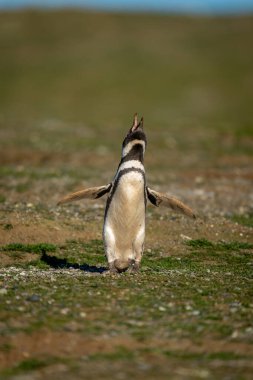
(134, 144)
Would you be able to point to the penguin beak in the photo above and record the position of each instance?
(137, 125)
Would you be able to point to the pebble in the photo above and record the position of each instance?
(65, 311)
(3, 291)
(195, 312)
(33, 298)
(249, 330)
(144, 366)
(185, 237)
(235, 334)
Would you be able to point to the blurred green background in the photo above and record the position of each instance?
(70, 81)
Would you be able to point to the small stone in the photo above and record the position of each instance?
(161, 308)
(133, 322)
(3, 291)
(65, 311)
(249, 330)
(33, 298)
(185, 237)
(83, 314)
(199, 180)
(235, 334)
(144, 366)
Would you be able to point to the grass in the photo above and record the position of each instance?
(183, 66)
(245, 220)
(190, 298)
(220, 246)
(32, 248)
(8, 226)
(77, 254)
(2, 198)
(29, 365)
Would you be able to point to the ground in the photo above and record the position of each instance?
(71, 83)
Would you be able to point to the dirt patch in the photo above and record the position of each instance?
(10, 259)
(72, 345)
(36, 231)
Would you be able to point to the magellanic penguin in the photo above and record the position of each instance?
(124, 219)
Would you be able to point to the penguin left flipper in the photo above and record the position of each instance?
(90, 193)
(157, 198)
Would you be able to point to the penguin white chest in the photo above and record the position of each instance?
(124, 229)
(130, 188)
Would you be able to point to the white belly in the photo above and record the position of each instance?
(124, 228)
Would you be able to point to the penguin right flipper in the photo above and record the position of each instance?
(90, 193)
(157, 198)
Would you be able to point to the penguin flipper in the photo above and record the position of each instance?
(157, 198)
(90, 193)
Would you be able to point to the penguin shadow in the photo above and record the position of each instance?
(58, 263)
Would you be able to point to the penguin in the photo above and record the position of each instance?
(128, 193)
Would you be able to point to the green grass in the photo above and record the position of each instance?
(245, 220)
(194, 295)
(31, 248)
(77, 253)
(5, 347)
(220, 246)
(8, 226)
(208, 357)
(29, 365)
(2, 198)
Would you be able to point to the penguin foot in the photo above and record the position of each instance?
(112, 269)
(131, 266)
(134, 267)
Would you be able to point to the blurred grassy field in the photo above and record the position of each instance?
(98, 68)
(70, 83)
(181, 73)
